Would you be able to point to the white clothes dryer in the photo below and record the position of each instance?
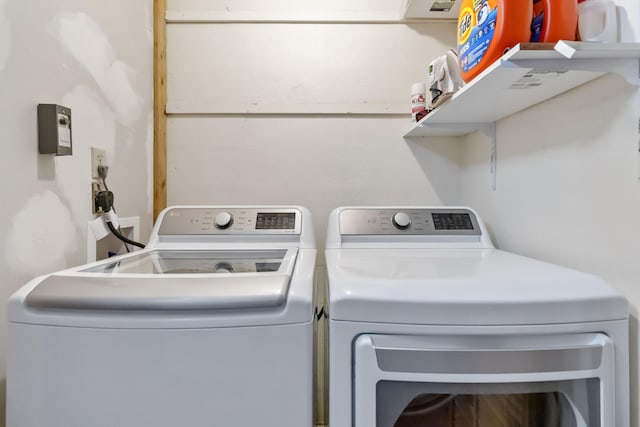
(210, 325)
(429, 324)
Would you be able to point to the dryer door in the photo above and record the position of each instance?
(484, 381)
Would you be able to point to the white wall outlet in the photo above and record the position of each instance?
(98, 158)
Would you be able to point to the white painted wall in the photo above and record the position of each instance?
(297, 68)
(96, 58)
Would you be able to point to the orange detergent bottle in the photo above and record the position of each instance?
(487, 29)
(554, 20)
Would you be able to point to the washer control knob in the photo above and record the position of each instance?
(223, 220)
(401, 220)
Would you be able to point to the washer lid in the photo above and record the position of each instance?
(172, 280)
(463, 287)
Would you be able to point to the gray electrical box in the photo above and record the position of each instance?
(54, 129)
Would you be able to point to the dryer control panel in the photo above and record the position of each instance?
(208, 221)
(408, 221)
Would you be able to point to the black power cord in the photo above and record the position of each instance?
(102, 173)
(104, 202)
(120, 236)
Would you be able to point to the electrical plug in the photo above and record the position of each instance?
(103, 171)
(103, 201)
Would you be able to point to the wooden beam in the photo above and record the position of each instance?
(159, 102)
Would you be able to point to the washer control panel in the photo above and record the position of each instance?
(207, 221)
(409, 221)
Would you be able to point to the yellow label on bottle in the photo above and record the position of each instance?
(466, 22)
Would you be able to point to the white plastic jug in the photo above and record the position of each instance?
(598, 21)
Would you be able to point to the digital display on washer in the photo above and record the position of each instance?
(276, 221)
(452, 221)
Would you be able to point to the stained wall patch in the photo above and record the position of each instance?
(85, 40)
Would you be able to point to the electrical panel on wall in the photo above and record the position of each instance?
(432, 9)
(54, 129)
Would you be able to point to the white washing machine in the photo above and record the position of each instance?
(210, 325)
(429, 324)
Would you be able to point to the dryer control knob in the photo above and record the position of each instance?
(401, 220)
(223, 220)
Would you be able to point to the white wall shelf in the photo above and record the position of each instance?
(527, 75)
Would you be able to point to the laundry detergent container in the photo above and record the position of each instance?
(554, 20)
(487, 29)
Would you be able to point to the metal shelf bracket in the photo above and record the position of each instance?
(489, 129)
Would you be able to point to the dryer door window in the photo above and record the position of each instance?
(484, 381)
(491, 405)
